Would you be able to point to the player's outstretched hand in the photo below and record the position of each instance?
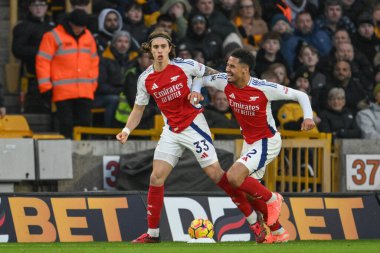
(307, 125)
(122, 137)
(195, 97)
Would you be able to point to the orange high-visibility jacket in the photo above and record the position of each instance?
(67, 66)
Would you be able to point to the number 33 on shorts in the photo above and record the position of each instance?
(202, 146)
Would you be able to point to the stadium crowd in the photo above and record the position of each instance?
(329, 49)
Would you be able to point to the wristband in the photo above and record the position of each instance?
(126, 130)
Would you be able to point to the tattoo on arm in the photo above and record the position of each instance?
(210, 71)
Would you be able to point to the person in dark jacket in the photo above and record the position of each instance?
(338, 119)
(134, 22)
(27, 36)
(113, 66)
(219, 114)
(199, 35)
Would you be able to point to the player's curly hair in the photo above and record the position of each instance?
(244, 56)
(158, 33)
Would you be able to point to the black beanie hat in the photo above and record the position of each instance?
(78, 17)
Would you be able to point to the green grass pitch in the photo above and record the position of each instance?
(367, 246)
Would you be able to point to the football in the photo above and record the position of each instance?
(201, 228)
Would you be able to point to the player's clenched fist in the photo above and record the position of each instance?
(122, 137)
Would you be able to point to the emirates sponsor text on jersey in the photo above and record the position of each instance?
(243, 109)
(168, 94)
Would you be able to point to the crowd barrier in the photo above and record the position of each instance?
(80, 217)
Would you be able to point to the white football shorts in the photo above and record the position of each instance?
(258, 155)
(196, 138)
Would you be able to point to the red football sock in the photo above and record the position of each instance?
(254, 188)
(238, 197)
(155, 202)
(261, 206)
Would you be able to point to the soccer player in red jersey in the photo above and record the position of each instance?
(250, 100)
(169, 80)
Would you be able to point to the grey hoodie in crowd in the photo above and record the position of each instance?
(368, 121)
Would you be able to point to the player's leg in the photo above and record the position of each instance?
(253, 161)
(166, 157)
(197, 138)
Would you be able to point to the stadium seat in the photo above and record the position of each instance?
(14, 126)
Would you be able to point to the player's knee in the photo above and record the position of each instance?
(214, 172)
(234, 179)
(156, 179)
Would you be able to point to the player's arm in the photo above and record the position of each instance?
(278, 92)
(210, 71)
(218, 81)
(132, 122)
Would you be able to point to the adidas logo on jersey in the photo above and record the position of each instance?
(155, 86)
(253, 98)
(232, 96)
(174, 78)
(204, 155)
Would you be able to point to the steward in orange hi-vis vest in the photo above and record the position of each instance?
(67, 64)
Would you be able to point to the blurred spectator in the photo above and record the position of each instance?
(340, 35)
(269, 52)
(150, 9)
(109, 22)
(67, 64)
(81, 5)
(113, 66)
(306, 32)
(353, 8)
(356, 96)
(361, 68)
(3, 110)
(200, 36)
(376, 19)
(280, 24)
(166, 23)
(249, 22)
(368, 119)
(127, 100)
(226, 7)
(184, 51)
(308, 57)
(134, 22)
(288, 8)
(338, 119)
(280, 71)
(333, 18)
(179, 10)
(218, 113)
(365, 40)
(216, 20)
(27, 36)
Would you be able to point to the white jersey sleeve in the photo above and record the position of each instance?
(142, 96)
(190, 67)
(217, 81)
(274, 91)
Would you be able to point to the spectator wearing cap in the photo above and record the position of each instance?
(365, 40)
(269, 52)
(249, 23)
(81, 5)
(27, 37)
(308, 58)
(67, 66)
(337, 118)
(368, 119)
(332, 18)
(114, 63)
(179, 10)
(199, 35)
(184, 51)
(280, 24)
(134, 22)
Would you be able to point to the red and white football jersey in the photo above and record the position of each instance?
(170, 89)
(251, 105)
